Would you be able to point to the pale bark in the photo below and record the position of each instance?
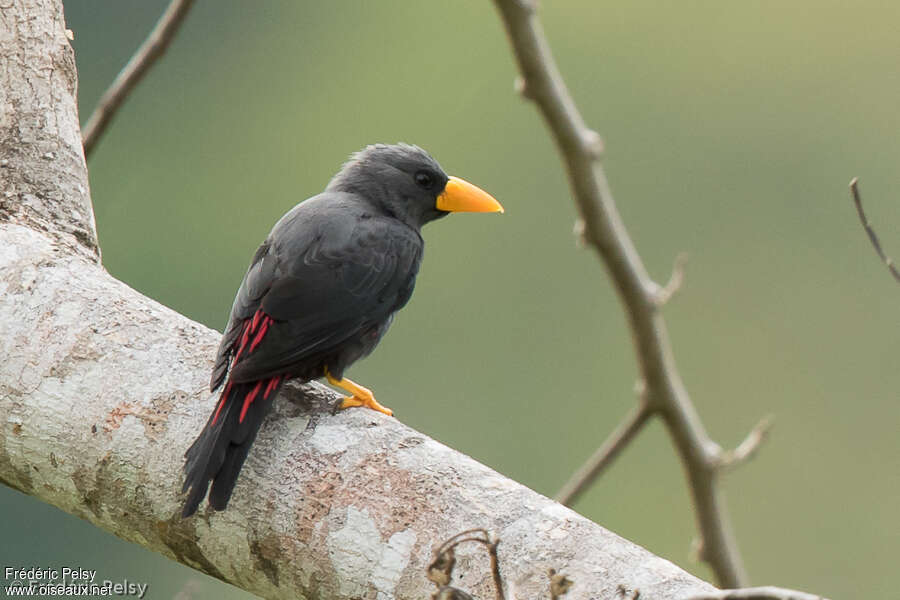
(102, 389)
(43, 178)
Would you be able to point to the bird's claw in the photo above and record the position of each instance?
(370, 402)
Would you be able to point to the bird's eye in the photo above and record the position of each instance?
(424, 180)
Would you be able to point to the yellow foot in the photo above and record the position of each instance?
(361, 396)
(369, 402)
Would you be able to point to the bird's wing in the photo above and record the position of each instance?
(327, 282)
(256, 283)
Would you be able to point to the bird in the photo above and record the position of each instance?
(320, 293)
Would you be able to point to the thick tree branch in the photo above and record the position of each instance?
(153, 47)
(106, 388)
(603, 229)
(43, 178)
(103, 389)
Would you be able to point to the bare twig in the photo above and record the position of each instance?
(873, 237)
(604, 231)
(748, 448)
(604, 455)
(495, 570)
(757, 593)
(144, 58)
(440, 571)
(665, 293)
(457, 539)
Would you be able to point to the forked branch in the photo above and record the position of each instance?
(601, 228)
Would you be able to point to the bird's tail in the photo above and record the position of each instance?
(218, 453)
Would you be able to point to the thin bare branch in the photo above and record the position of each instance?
(440, 571)
(662, 295)
(495, 570)
(582, 479)
(457, 539)
(757, 593)
(870, 231)
(603, 229)
(144, 58)
(751, 444)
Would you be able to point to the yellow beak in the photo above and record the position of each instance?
(461, 196)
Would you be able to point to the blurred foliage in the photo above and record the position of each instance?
(732, 130)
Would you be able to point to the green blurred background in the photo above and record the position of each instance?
(731, 130)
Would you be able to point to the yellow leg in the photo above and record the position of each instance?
(361, 396)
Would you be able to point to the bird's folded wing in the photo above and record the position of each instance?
(346, 280)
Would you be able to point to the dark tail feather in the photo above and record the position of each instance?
(218, 453)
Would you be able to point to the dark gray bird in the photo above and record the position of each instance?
(320, 293)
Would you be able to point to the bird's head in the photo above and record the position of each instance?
(406, 182)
